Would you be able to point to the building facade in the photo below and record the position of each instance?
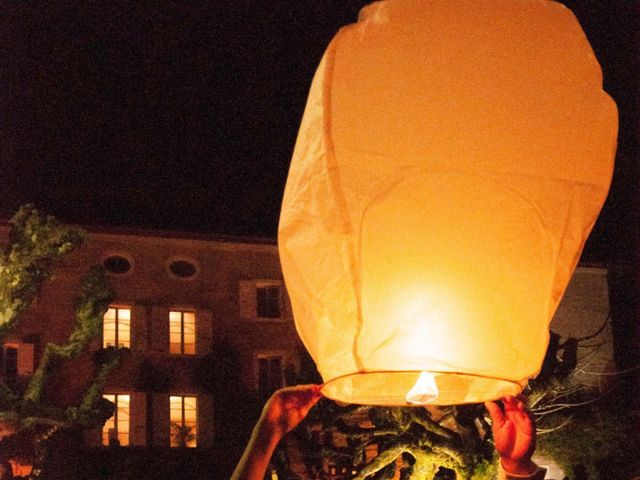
(181, 299)
(177, 295)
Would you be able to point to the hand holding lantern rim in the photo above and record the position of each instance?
(288, 407)
(513, 432)
(514, 435)
(283, 412)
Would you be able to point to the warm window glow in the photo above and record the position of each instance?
(182, 332)
(116, 328)
(182, 417)
(268, 301)
(117, 427)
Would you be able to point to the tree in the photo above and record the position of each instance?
(576, 427)
(375, 442)
(182, 435)
(36, 244)
(581, 426)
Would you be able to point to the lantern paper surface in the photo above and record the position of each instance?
(452, 159)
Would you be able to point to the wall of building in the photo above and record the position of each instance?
(583, 314)
(222, 293)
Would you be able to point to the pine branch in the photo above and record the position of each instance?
(425, 467)
(94, 301)
(7, 396)
(36, 243)
(94, 392)
(30, 422)
(434, 427)
(382, 460)
(542, 431)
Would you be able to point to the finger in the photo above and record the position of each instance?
(496, 413)
(302, 395)
(309, 405)
(312, 392)
(524, 420)
(310, 387)
(510, 404)
(522, 405)
(312, 395)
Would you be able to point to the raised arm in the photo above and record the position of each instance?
(283, 412)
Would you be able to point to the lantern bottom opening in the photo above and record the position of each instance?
(391, 388)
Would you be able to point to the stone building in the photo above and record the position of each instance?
(176, 296)
(182, 300)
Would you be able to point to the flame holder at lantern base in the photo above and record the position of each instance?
(390, 388)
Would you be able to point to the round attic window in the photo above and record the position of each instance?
(182, 268)
(117, 264)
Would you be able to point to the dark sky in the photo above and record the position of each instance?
(183, 115)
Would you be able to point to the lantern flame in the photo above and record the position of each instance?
(424, 391)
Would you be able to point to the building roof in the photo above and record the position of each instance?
(168, 234)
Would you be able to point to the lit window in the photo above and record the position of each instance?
(269, 374)
(268, 301)
(117, 427)
(182, 332)
(116, 328)
(182, 416)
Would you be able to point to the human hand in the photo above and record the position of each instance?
(283, 412)
(288, 407)
(514, 435)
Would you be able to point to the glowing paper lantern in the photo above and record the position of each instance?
(452, 159)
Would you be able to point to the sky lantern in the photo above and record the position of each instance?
(452, 159)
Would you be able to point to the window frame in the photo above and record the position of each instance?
(183, 423)
(118, 253)
(182, 258)
(182, 311)
(117, 308)
(115, 419)
(24, 360)
(4, 364)
(265, 355)
(266, 285)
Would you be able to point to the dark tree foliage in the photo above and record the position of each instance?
(31, 423)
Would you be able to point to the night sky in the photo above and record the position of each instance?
(183, 115)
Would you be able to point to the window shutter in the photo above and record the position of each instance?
(160, 329)
(138, 419)
(204, 331)
(25, 359)
(138, 328)
(205, 421)
(247, 298)
(160, 420)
